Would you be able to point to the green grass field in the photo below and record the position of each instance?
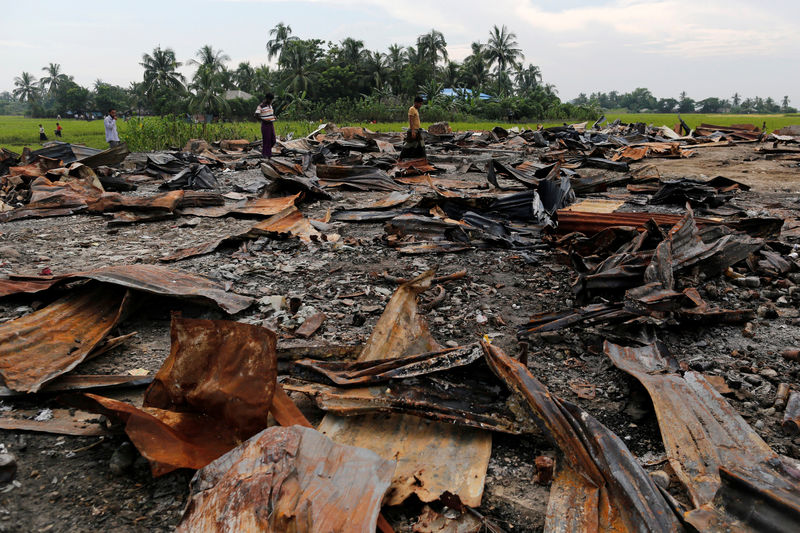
(17, 132)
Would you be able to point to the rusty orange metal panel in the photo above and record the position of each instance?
(214, 391)
(42, 345)
(590, 223)
(432, 457)
(596, 461)
(152, 279)
(709, 443)
(289, 222)
(258, 206)
(289, 480)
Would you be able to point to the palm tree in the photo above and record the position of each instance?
(431, 46)
(475, 71)
(452, 73)
(297, 60)
(26, 89)
(528, 78)
(376, 63)
(262, 79)
(208, 90)
(785, 104)
(281, 34)
(208, 59)
(395, 58)
(736, 99)
(161, 71)
(352, 51)
(54, 78)
(245, 76)
(502, 49)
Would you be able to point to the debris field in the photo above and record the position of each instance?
(589, 327)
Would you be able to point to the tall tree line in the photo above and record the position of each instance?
(642, 100)
(312, 75)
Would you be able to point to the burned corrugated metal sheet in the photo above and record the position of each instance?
(452, 386)
(601, 486)
(289, 479)
(151, 279)
(733, 477)
(73, 382)
(361, 178)
(432, 457)
(42, 345)
(367, 372)
(255, 207)
(213, 391)
(590, 223)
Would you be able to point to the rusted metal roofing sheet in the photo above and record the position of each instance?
(600, 485)
(290, 479)
(265, 207)
(432, 457)
(590, 223)
(42, 345)
(733, 477)
(73, 382)
(213, 391)
(153, 279)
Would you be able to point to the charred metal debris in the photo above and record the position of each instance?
(405, 425)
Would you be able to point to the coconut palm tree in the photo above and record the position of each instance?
(475, 70)
(53, 79)
(352, 51)
(161, 71)
(26, 89)
(528, 78)
(280, 35)
(431, 46)
(451, 74)
(244, 76)
(208, 59)
(263, 79)
(502, 49)
(376, 65)
(297, 61)
(208, 96)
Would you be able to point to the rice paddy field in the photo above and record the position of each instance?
(153, 133)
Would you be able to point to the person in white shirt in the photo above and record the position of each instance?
(267, 116)
(110, 122)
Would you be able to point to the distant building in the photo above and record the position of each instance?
(236, 94)
(456, 93)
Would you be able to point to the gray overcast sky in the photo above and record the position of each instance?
(703, 47)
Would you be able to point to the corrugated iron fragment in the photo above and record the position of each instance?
(42, 345)
(214, 391)
(289, 479)
(432, 457)
(152, 279)
(733, 477)
(601, 487)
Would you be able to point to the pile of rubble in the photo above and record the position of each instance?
(361, 378)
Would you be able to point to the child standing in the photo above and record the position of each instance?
(42, 136)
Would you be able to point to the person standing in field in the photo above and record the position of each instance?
(414, 146)
(58, 129)
(110, 123)
(266, 115)
(42, 136)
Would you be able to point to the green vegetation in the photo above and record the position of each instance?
(157, 133)
(316, 79)
(641, 100)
